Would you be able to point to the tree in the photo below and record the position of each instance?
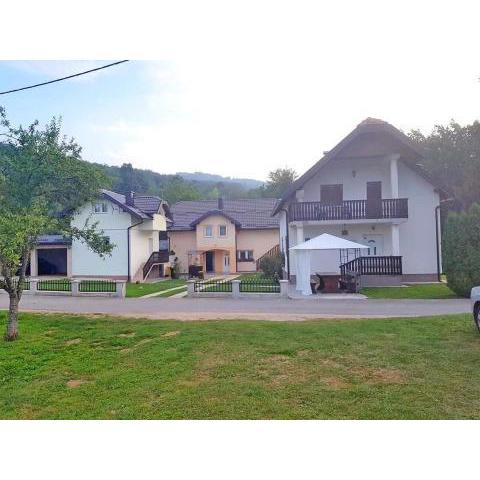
(130, 180)
(461, 240)
(179, 189)
(452, 157)
(43, 182)
(278, 182)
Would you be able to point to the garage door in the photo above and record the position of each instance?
(52, 261)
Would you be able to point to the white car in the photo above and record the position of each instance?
(475, 299)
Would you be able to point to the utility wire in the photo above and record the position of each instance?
(63, 78)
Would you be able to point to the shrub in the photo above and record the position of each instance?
(272, 266)
(461, 248)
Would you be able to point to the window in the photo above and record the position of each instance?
(208, 231)
(222, 230)
(163, 241)
(100, 207)
(331, 194)
(245, 255)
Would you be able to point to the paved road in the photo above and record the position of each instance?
(254, 308)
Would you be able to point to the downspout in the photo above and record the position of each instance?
(439, 273)
(128, 249)
(287, 241)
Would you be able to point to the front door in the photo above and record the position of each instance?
(226, 263)
(374, 244)
(209, 261)
(374, 200)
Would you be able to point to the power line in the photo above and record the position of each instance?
(63, 78)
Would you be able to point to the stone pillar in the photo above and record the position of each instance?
(190, 288)
(394, 175)
(120, 288)
(395, 240)
(236, 288)
(284, 288)
(75, 287)
(33, 286)
(33, 263)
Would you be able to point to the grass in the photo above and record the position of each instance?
(420, 291)
(140, 289)
(74, 367)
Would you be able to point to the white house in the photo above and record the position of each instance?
(135, 224)
(371, 189)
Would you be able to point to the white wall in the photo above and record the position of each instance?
(417, 235)
(114, 224)
(340, 171)
(142, 244)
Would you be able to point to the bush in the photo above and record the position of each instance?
(461, 250)
(272, 266)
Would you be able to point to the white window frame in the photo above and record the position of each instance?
(220, 231)
(103, 207)
(205, 231)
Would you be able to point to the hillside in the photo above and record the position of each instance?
(182, 186)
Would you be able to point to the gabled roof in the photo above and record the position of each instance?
(250, 213)
(214, 212)
(369, 125)
(144, 206)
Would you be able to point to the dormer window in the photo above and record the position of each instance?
(100, 207)
(222, 230)
(208, 231)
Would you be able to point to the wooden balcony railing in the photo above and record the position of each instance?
(391, 265)
(350, 210)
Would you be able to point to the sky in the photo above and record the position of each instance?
(253, 92)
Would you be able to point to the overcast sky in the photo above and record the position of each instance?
(264, 90)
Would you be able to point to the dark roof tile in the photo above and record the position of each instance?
(249, 213)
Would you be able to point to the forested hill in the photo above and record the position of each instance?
(182, 186)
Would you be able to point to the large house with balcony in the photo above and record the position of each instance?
(135, 224)
(222, 236)
(371, 189)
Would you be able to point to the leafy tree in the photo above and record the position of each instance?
(452, 157)
(43, 182)
(461, 242)
(130, 180)
(278, 182)
(178, 189)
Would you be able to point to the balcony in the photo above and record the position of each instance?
(386, 208)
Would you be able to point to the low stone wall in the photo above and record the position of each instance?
(235, 293)
(74, 288)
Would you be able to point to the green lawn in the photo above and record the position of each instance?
(139, 289)
(100, 368)
(421, 291)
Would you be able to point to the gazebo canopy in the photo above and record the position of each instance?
(325, 241)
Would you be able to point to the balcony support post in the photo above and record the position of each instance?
(394, 175)
(395, 240)
(300, 235)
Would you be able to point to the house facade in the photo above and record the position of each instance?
(222, 236)
(135, 224)
(371, 189)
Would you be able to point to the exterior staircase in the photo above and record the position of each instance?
(271, 253)
(156, 258)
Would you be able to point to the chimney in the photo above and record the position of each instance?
(130, 199)
(220, 203)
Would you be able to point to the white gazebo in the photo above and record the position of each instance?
(325, 241)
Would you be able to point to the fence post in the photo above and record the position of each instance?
(33, 286)
(190, 288)
(120, 288)
(75, 287)
(236, 288)
(284, 288)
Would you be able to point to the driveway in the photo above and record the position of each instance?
(244, 308)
